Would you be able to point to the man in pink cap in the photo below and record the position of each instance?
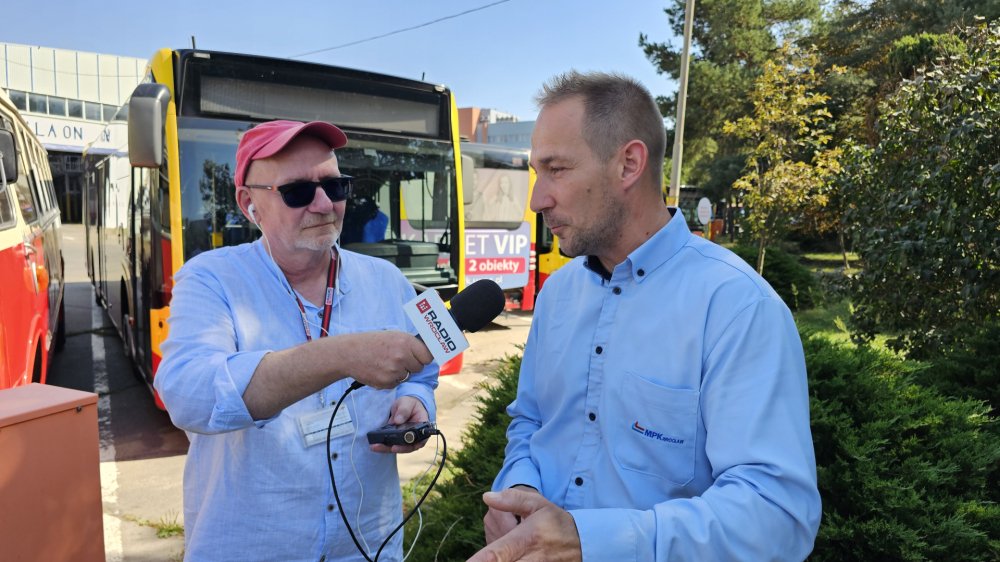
(264, 338)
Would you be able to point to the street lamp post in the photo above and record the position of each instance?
(675, 165)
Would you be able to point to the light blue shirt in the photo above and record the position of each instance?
(667, 409)
(251, 490)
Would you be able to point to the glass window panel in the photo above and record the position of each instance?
(266, 101)
(109, 112)
(57, 106)
(20, 99)
(6, 209)
(26, 201)
(122, 114)
(497, 195)
(75, 109)
(93, 111)
(38, 103)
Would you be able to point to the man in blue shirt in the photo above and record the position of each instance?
(249, 375)
(662, 411)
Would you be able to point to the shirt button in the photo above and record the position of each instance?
(641, 273)
(322, 559)
(592, 416)
(329, 507)
(334, 456)
(617, 290)
(579, 481)
(600, 350)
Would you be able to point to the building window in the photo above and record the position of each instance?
(122, 114)
(93, 111)
(76, 109)
(57, 106)
(109, 113)
(38, 103)
(20, 99)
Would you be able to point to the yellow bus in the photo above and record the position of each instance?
(166, 193)
(504, 240)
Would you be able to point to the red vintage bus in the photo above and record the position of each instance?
(32, 322)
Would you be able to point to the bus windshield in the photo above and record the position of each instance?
(403, 187)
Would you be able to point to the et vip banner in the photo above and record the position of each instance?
(498, 254)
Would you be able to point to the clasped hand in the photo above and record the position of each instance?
(546, 532)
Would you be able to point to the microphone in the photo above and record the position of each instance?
(441, 329)
(477, 305)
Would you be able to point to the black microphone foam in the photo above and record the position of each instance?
(478, 305)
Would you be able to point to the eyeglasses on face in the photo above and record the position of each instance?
(298, 194)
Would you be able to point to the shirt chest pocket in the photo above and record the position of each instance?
(656, 429)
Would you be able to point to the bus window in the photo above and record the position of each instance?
(7, 217)
(208, 194)
(497, 196)
(425, 198)
(545, 236)
(26, 201)
(38, 190)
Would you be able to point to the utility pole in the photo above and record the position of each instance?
(675, 165)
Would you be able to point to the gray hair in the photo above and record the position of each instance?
(618, 109)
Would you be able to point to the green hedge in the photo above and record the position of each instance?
(971, 370)
(793, 282)
(904, 470)
(457, 503)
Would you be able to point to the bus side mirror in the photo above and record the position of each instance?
(9, 151)
(147, 114)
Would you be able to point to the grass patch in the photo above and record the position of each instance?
(166, 526)
(831, 256)
(830, 321)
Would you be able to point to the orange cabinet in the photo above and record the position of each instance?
(50, 477)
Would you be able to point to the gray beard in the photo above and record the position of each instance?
(600, 236)
(318, 243)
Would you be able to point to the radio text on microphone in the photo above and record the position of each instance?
(440, 332)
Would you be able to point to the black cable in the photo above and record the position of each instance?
(398, 30)
(329, 462)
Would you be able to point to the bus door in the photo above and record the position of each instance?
(138, 257)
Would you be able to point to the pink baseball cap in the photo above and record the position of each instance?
(267, 139)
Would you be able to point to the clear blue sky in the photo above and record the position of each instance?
(495, 58)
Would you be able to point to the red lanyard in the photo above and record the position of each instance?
(331, 284)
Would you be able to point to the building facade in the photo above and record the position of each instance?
(474, 123)
(67, 99)
(513, 134)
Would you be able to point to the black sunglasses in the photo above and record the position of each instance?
(301, 193)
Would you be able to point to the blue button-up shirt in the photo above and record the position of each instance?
(251, 490)
(666, 408)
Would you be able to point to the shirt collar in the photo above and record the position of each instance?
(345, 265)
(653, 252)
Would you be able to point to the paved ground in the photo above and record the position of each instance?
(143, 454)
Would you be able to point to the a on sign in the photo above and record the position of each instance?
(704, 210)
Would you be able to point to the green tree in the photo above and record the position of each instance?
(926, 203)
(731, 40)
(860, 35)
(915, 51)
(788, 165)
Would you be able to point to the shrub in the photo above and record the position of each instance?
(904, 472)
(972, 370)
(795, 284)
(914, 51)
(926, 201)
(456, 506)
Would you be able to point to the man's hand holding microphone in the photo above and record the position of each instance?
(381, 359)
